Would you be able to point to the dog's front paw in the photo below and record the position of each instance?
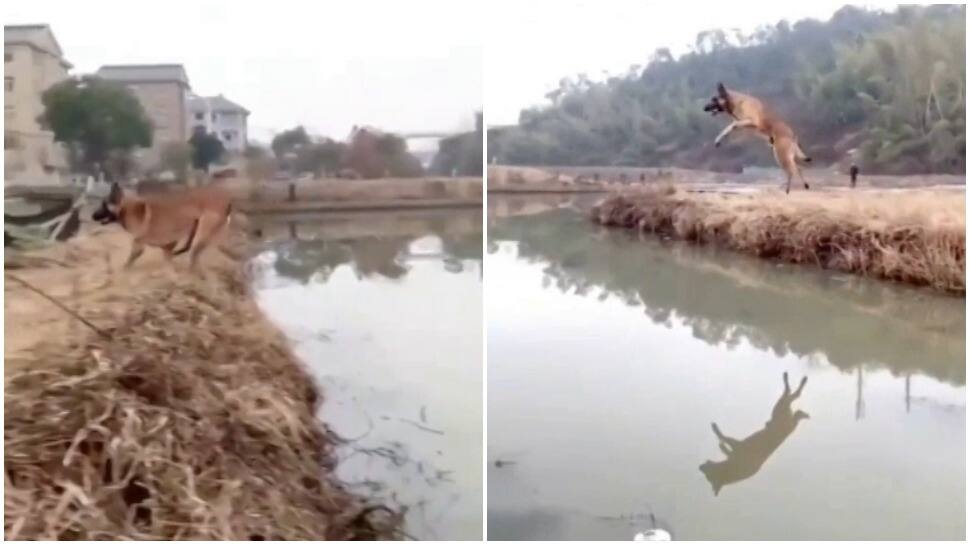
(717, 143)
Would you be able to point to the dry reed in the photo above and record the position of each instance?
(916, 237)
(193, 421)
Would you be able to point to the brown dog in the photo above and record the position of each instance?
(750, 113)
(163, 220)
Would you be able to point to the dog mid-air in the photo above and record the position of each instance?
(750, 113)
(197, 215)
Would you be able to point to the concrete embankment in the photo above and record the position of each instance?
(329, 195)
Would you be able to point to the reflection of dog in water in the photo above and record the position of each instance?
(745, 457)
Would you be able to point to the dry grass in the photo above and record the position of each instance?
(916, 237)
(193, 421)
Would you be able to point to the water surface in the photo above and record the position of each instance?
(610, 358)
(386, 310)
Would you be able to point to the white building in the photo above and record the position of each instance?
(221, 116)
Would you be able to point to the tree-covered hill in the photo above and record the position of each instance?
(886, 89)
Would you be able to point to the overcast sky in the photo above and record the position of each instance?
(542, 41)
(402, 66)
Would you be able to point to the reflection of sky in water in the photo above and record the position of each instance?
(400, 362)
(601, 403)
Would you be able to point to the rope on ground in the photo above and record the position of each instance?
(59, 305)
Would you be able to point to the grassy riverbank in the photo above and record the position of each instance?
(911, 236)
(187, 418)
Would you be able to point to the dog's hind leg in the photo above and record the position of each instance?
(188, 241)
(785, 163)
(137, 248)
(209, 228)
(168, 252)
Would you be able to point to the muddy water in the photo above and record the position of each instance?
(386, 311)
(612, 359)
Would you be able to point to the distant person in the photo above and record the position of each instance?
(853, 173)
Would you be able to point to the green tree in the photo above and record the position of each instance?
(461, 154)
(98, 120)
(321, 157)
(259, 162)
(374, 154)
(255, 151)
(289, 141)
(206, 149)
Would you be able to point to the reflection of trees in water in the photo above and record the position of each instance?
(459, 248)
(728, 299)
(467, 246)
(301, 259)
(379, 256)
(368, 256)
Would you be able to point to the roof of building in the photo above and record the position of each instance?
(145, 73)
(217, 103)
(38, 36)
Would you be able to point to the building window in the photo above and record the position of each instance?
(227, 136)
(8, 84)
(214, 116)
(199, 116)
(7, 57)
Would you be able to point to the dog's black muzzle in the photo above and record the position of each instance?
(713, 106)
(103, 215)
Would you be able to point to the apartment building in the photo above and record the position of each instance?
(32, 62)
(163, 90)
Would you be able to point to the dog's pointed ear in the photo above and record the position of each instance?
(114, 196)
(721, 90)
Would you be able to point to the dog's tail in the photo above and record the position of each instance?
(188, 242)
(800, 155)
